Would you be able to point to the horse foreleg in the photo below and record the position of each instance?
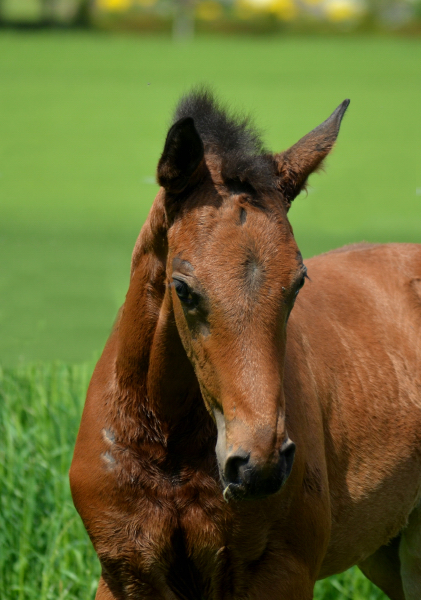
(410, 556)
(383, 568)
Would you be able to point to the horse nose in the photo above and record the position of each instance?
(243, 479)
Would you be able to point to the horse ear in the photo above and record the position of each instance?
(183, 152)
(296, 164)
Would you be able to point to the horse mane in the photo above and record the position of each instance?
(232, 139)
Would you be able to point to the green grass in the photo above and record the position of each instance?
(45, 553)
(83, 118)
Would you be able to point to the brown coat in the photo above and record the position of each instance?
(230, 448)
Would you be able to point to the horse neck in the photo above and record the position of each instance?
(158, 393)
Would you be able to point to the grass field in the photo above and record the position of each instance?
(82, 123)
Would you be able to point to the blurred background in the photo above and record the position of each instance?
(83, 118)
(87, 90)
(184, 16)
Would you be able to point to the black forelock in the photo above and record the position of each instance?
(232, 138)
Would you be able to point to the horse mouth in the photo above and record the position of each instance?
(234, 491)
(247, 482)
(257, 490)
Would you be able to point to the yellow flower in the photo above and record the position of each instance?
(341, 10)
(209, 10)
(284, 9)
(114, 5)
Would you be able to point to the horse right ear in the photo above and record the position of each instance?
(183, 153)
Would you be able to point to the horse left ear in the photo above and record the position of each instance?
(183, 152)
(295, 165)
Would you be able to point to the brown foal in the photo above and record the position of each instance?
(232, 448)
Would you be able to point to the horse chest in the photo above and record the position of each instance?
(184, 549)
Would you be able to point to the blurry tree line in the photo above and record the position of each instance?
(47, 13)
(218, 14)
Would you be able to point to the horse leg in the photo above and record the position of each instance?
(383, 568)
(410, 555)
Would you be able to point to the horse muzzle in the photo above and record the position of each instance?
(244, 480)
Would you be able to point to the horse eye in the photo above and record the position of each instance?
(300, 285)
(183, 292)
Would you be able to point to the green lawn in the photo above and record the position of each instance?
(83, 118)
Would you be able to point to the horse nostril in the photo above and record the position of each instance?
(287, 455)
(234, 467)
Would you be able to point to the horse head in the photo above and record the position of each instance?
(233, 272)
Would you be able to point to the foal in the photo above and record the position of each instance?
(219, 458)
